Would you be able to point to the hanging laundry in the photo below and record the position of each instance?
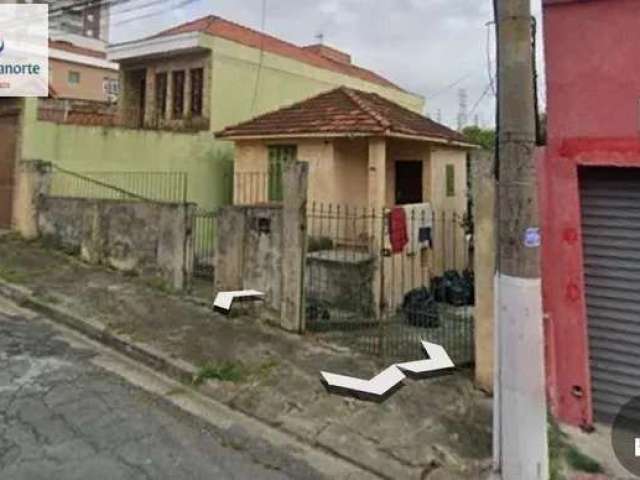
(419, 226)
(398, 229)
(425, 238)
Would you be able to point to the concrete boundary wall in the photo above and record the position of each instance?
(262, 247)
(145, 238)
(139, 237)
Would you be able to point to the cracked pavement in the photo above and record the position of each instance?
(62, 417)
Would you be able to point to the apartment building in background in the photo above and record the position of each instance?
(78, 18)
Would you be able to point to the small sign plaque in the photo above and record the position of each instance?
(532, 238)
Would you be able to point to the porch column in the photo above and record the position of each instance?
(377, 173)
(150, 97)
(376, 195)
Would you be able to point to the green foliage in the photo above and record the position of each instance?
(484, 137)
(556, 440)
(582, 462)
(563, 455)
(12, 275)
(235, 372)
(225, 371)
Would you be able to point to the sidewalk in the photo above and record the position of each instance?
(437, 428)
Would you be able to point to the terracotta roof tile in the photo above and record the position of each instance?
(219, 27)
(342, 111)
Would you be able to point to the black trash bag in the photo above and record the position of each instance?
(316, 310)
(451, 289)
(438, 289)
(420, 309)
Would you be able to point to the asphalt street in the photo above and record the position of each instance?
(63, 417)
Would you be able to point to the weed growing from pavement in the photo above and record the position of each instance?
(562, 454)
(581, 462)
(225, 371)
(235, 372)
(13, 275)
(556, 441)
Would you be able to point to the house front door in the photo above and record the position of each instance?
(408, 182)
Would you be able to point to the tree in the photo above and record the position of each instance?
(485, 137)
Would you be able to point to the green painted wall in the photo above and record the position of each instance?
(91, 149)
(240, 74)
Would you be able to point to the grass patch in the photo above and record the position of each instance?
(12, 275)
(556, 440)
(235, 372)
(582, 462)
(563, 456)
(225, 371)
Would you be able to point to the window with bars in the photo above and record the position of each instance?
(278, 155)
(178, 94)
(161, 94)
(197, 87)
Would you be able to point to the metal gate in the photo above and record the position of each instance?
(8, 142)
(381, 298)
(611, 236)
(204, 243)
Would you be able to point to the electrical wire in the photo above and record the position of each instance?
(160, 11)
(449, 87)
(138, 7)
(482, 96)
(86, 4)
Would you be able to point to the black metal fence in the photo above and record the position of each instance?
(150, 186)
(382, 281)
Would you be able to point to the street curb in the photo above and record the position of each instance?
(150, 357)
(178, 370)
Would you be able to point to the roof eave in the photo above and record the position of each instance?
(282, 136)
(320, 135)
(80, 59)
(168, 44)
(431, 139)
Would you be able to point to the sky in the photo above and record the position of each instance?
(433, 48)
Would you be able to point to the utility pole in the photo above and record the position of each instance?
(520, 412)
